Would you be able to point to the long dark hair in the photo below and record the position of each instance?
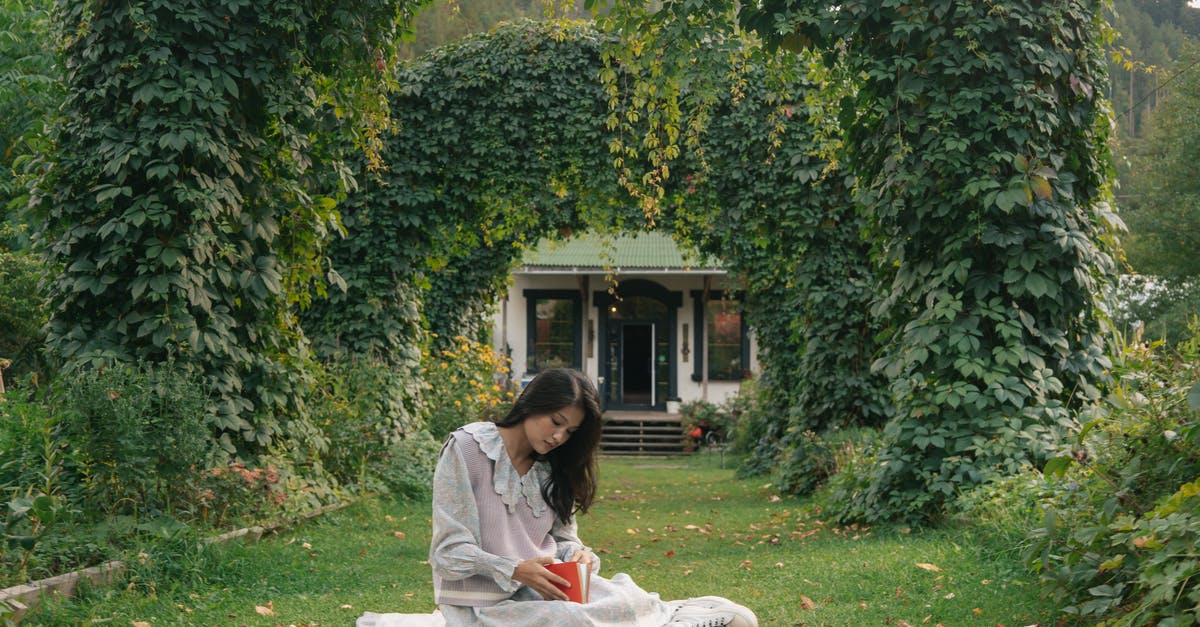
(572, 484)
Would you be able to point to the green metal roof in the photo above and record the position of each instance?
(652, 250)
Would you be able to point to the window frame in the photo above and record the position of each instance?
(532, 297)
(698, 321)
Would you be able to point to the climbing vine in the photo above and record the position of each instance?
(975, 133)
(505, 138)
(197, 162)
(978, 139)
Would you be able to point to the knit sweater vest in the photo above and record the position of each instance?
(519, 535)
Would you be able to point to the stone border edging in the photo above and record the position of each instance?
(22, 597)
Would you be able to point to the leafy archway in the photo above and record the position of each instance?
(505, 138)
(976, 135)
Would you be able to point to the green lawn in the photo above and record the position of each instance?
(679, 526)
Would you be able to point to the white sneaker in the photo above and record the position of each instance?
(712, 612)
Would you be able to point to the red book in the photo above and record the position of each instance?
(578, 574)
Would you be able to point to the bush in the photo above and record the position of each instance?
(1123, 546)
(407, 468)
(362, 407)
(37, 499)
(857, 462)
(807, 459)
(465, 385)
(23, 313)
(136, 434)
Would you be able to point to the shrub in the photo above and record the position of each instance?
(362, 407)
(36, 496)
(136, 432)
(465, 385)
(1123, 547)
(407, 468)
(857, 461)
(807, 459)
(23, 312)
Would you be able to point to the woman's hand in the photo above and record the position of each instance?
(533, 574)
(585, 556)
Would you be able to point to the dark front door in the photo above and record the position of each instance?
(637, 370)
(637, 335)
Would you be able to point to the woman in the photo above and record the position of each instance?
(504, 501)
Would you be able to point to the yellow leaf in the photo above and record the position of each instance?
(929, 567)
(807, 603)
(266, 610)
(140, 623)
(1041, 188)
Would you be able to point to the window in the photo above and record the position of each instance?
(554, 330)
(725, 331)
(723, 321)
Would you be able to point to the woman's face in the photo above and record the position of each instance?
(547, 432)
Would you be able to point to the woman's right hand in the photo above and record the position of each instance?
(534, 574)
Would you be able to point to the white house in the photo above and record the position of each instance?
(634, 313)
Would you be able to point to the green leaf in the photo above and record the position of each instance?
(1057, 466)
(1193, 397)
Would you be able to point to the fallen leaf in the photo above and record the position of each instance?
(346, 606)
(977, 611)
(929, 567)
(306, 545)
(746, 564)
(949, 596)
(266, 610)
(140, 623)
(669, 554)
(903, 623)
(399, 534)
(807, 603)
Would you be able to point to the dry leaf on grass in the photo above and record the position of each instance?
(266, 610)
(807, 603)
(929, 567)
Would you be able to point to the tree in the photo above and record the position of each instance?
(1164, 223)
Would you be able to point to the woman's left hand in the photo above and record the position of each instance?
(583, 555)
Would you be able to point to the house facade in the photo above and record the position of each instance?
(651, 327)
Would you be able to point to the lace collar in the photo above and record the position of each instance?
(508, 483)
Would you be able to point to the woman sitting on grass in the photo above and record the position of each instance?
(504, 501)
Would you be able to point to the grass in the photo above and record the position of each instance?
(679, 526)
